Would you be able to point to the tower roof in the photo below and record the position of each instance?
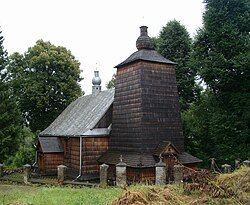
(145, 51)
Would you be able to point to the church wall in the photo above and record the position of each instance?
(48, 162)
(93, 148)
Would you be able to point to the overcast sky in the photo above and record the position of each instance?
(100, 33)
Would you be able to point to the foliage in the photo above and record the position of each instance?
(210, 132)
(45, 79)
(111, 83)
(26, 151)
(174, 43)
(218, 126)
(10, 118)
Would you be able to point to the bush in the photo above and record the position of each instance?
(26, 151)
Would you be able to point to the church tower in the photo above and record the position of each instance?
(146, 114)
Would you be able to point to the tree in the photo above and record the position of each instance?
(111, 83)
(45, 79)
(10, 117)
(175, 43)
(222, 58)
(221, 48)
(210, 132)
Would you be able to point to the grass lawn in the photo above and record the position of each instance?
(40, 195)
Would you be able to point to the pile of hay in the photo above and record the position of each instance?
(231, 188)
(152, 195)
(236, 184)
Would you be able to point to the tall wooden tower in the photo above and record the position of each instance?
(146, 114)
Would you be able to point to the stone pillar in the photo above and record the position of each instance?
(178, 173)
(226, 168)
(1, 170)
(237, 164)
(61, 173)
(160, 173)
(246, 163)
(104, 175)
(26, 173)
(121, 175)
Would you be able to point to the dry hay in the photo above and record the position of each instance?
(152, 196)
(236, 183)
(231, 188)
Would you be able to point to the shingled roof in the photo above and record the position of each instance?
(132, 159)
(186, 158)
(146, 55)
(145, 51)
(50, 144)
(81, 115)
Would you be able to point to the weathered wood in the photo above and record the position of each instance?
(146, 95)
(93, 147)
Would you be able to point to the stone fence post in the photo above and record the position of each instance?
(104, 175)
(237, 164)
(226, 168)
(246, 163)
(178, 173)
(26, 173)
(121, 174)
(1, 170)
(160, 173)
(61, 173)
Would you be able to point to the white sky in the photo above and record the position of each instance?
(99, 33)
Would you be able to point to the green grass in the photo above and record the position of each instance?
(39, 195)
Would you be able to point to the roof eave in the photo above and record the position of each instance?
(137, 60)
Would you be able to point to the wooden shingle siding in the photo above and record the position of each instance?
(72, 153)
(93, 148)
(146, 107)
(48, 162)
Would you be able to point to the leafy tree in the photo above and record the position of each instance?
(10, 117)
(25, 153)
(210, 132)
(219, 124)
(222, 47)
(45, 79)
(111, 83)
(175, 43)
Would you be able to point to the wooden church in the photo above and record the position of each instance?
(139, 122)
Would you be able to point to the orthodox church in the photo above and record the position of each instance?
(138, 122)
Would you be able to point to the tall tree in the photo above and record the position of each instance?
(222, 57)
(45, 80)
(175, 43)
(10, 117)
